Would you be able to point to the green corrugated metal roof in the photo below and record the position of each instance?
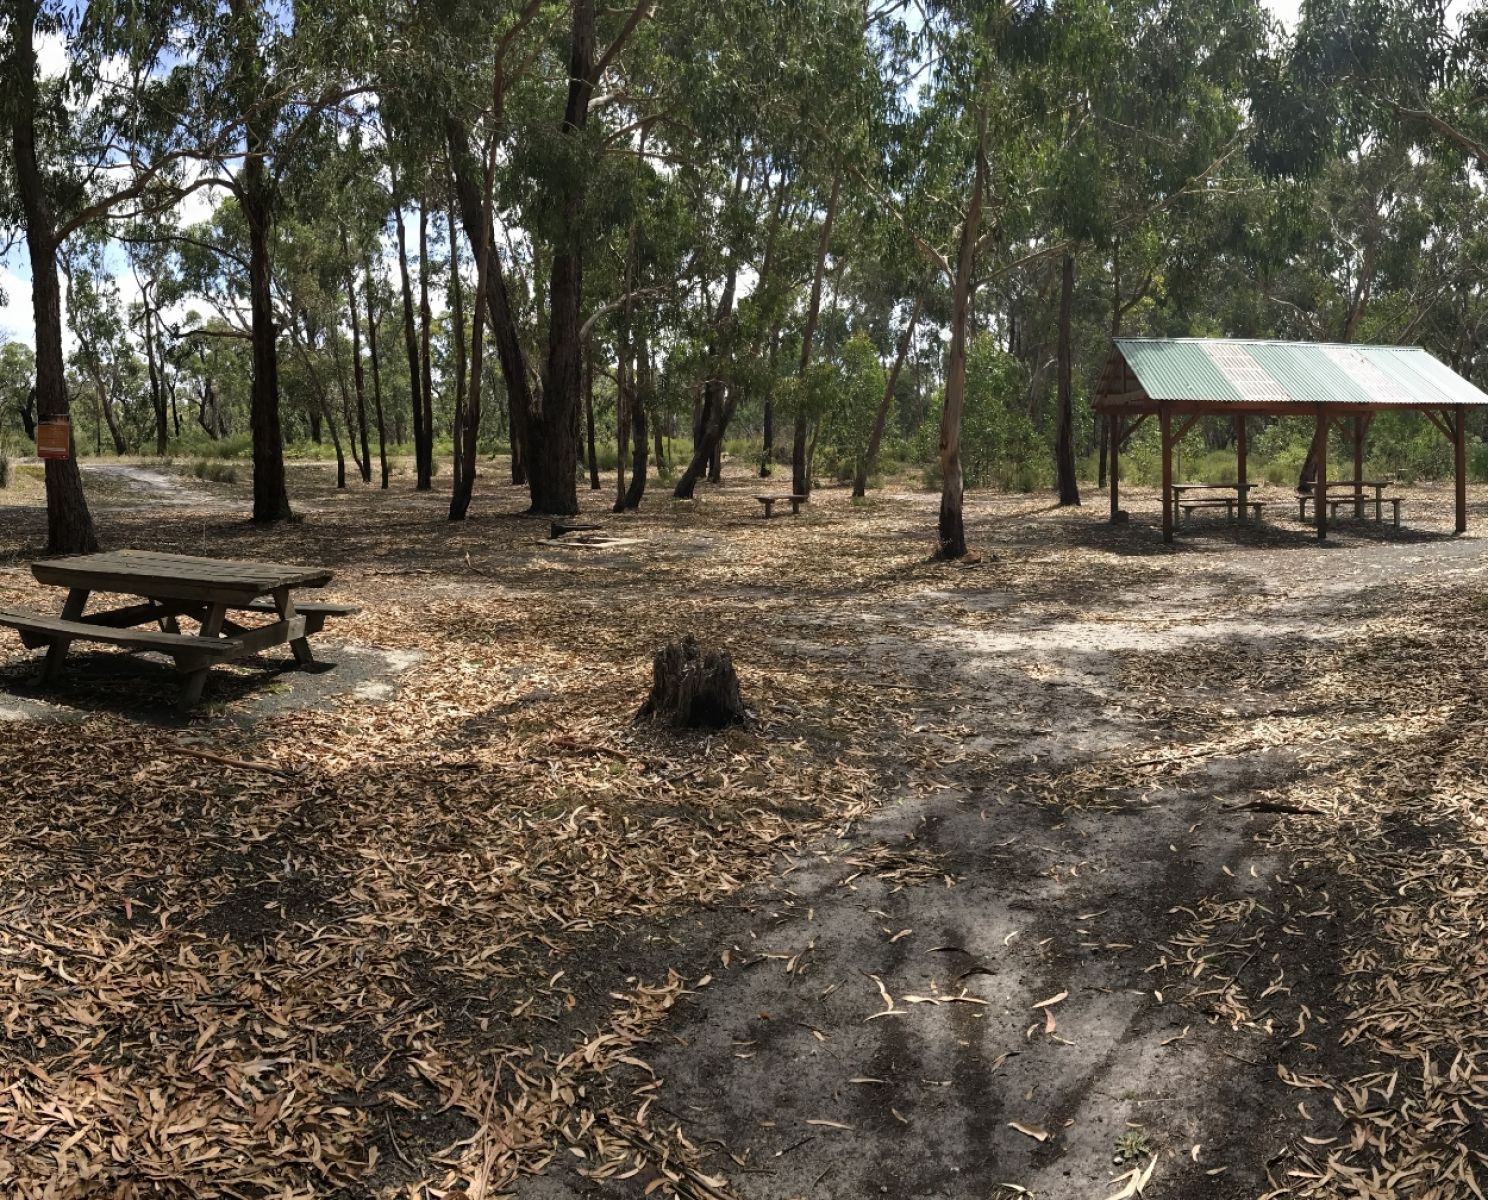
(1302, 373)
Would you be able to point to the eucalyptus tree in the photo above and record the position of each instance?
(532, 80)
(264, 79)
(939, 183)
(82, 146)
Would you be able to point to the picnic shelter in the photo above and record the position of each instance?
(1180, 380)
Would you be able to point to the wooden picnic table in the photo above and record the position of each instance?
(173, 586)
(1358, 499)
(1240, 498)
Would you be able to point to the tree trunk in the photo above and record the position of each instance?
(157, 385)
(374, 318)
(767, 451)
(256, 201)
(410, 342)
(589, 416)
(800, 469)
(551, 450)
(69, 524)
(479, 230)
(485, 275)
(1064, 437)
(881, 418)
(638, 464)
(952, 530)
(358, 377)
(693, 689)
(106, 410)
(363, 466)
(424, 414)
(457, 316)
(320, 394)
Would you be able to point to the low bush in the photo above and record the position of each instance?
(215, 471)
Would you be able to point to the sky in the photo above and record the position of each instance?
(15, 281)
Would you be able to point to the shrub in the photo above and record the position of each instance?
(210, 471)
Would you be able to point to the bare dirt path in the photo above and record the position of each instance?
(873, 1023)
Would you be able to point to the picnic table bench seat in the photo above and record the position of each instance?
(769, 502)
(1355, 502)
(37, 629)
(315, 612)
(1228, 503)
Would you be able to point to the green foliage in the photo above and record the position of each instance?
(999, 445)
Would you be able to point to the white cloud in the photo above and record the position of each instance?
(15, 314)
(51, 55)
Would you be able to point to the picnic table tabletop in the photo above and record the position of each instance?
(1378, 485)
(176, 576)
(1214, 487)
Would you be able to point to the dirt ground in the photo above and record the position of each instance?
(1093, 867)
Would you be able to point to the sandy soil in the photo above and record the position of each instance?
(958, 960)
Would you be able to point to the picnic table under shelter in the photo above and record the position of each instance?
(1180, 380)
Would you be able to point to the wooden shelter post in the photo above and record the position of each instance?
(1459, 449)
(1360, 423)
(1165, 423)
(1241, 468)
(1115, 466)
(1320, 487)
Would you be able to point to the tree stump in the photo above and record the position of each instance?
(693, 688)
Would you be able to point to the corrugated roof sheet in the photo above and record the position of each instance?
(1303, 373)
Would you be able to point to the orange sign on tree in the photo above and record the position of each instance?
(54, 438)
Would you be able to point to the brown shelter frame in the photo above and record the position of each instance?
(1125, 403)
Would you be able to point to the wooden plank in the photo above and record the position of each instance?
(64, 629)
(1165, 419)
(1459, 456)
(176, 576)
(196, 681)
(254, 640)
(1241, 465)
(1321, 444)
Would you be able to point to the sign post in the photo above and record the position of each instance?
(54, 438)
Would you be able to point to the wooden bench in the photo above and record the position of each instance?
(1354, 502)
(316, 613)
(769, 502)
(1228, 503)
(37, 630)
